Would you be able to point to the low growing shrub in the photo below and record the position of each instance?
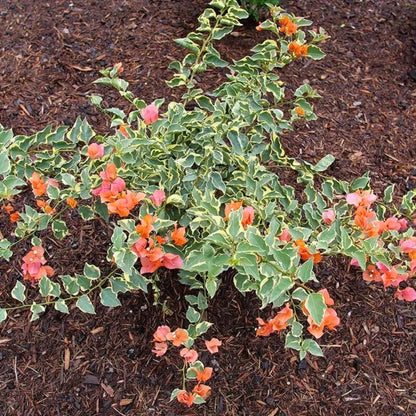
(197, 189)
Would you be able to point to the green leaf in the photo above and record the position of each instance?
(315, 53)
(45, 286)
(109, 298)
(60, 306)
(18, 291)
(4, 163)
(91, 271)
(235, 229)
(192, 315)
(300, 294)
(59, 228)
(3, 314)
(84, 303)
(87, 213)
(125, 259)
(312, 347)
(324, 163)
(297, 329)
(292, 342)
(305, 271)
(315, 304)
(36, 310)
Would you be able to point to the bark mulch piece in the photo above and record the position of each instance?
(80, 364)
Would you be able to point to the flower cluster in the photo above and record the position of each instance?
(276, 324)
(13, 215)
(34, 265)
(287, 26)
(113, 192)
(149, 248)
(366, 220)
(248, 212)
(196, 370)
(298, 50)
(304, 252)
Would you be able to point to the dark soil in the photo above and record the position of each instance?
(50, 54)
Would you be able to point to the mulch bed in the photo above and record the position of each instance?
(81, 365)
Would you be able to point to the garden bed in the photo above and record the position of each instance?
(78, 364)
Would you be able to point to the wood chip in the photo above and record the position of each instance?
(67, 358)
(97, 330)
(125, 402)
(81, 68)
(108, 389)
(4, 340)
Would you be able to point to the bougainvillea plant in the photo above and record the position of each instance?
(197, 189)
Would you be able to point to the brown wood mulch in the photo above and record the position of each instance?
(81, 365)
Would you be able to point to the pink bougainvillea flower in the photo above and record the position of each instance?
(160, 333)
(149, 266)
(160, 348)
(95, 151)
(172, 261)
(185, 398)
(390, 276)
(361, 198)
(190, 356)
(328, 216)
(354, 262)
(180, 336)
(404, 224)
(158, 197)
(150, 114)
(285, 236)
(52, 182)
(248, 216)
(408, 294)
(371, 274)
(408, 245)
(34, 265)
(213, 345)
(392, 223)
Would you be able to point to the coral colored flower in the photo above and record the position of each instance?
(178, 236)
(180, 336)
(213, 345)
(408, 294)
(259, 28)
(160, 348)
(285, 236)
(160, 240)
(158, 197)
(300, 111)
(125, 203)
(327, 298)
(202, 390)
(408, 245)
(391, 277)
(150, 114)
(248, 216)
(52, 182)
(403, 224)
(95, 151)
(146, 225)
(34, 265)
(392, 223)
(231, 207)
(190, 356)
(304, 252)
(203, 375)
(172, 261)
(71, 202)
(8, 208)
(160, 333)
(287, 26)
(298, 50)
(372, 274)
(119, 67)
(265, 328)
(14, 217)
(328, 216)
(149, 266)
(38, 184)
(330, 321)
(280, 321)
(185, 398)
(123, 131)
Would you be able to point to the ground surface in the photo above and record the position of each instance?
(50, 54)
